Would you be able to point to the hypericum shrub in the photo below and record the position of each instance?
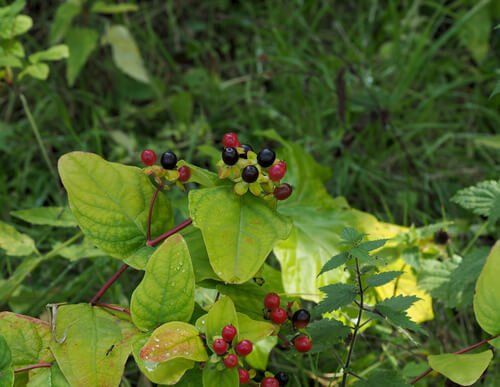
(236, 218)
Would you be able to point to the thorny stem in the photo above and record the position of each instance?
(33, 366)
(356, 328)
(464, 350)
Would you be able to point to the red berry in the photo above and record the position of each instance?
(231, 360)
(219, 346)
(269, 382)
(230, 140)
(184, 173)
(302, 344)
(279, 315)
(272, 301)
(148, 157)
(283, 191)
(244, 376)
(228, 333)
(244, 347)
(283, 164)
(276, 172)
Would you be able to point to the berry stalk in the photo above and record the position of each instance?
(33, 367)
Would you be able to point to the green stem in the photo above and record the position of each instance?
(39, 140)
(356, 327)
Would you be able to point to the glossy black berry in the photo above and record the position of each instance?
(246, 149)
(169, 160)
(301, 318)
(250, 174)
(441, 237)
(230, 156)
(282, 378)
(266, 157)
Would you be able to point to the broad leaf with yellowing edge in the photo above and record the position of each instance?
(111, 202)
(166, 293)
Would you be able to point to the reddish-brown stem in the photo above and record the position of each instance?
(33, 366)
(118, 308)
(165, 235)
(108, 284)
(464, 350)
(151, 208)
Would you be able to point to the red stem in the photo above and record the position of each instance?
(464, 350)
(118, 308)
(165, 235)
(33, 366)
(108, 284)
(151, 208)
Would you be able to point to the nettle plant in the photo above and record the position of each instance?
(209, 310)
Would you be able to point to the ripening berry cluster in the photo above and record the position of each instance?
(168, 169)
(223, 347)
(260, 173)
(300, 319)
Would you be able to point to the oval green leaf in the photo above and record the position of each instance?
(487, 297)
(6, 370)
(253, 330)
(241, 234)
(174, 340)
(111, 202)
(462, 369)
(166, 293)
(14, 243)
(47, 216)
(91, 345)
(221, 313)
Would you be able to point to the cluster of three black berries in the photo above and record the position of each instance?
(250, 173)
(168, 161)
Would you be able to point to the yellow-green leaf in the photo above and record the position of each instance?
(111, 202)
(239, 231)
(37, 71)
(6, 370)
(224, 377)
(47, 216)
(487, 296)
(107, 8)
(221, 313)
(81, 42)
(463, 369)
(91, 345)
(14, 243)
(174, 340)
(253, 330)
(47, 377)
(166, 293)
(58, 52)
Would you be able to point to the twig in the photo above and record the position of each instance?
(118, 308)
(33, 366)
(464, 350)
(165, 235)
(356, 328)
(151, 208)
(108, 284)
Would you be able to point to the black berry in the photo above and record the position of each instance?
(282, 378)
(169, 160)
(246, 149)
(301, 318)
(441, 237)
(266, 157)
(250, 174)
(230, 156)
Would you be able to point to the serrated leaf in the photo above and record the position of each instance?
(64, 16)
(111, 202)
(28, 338)
(394, 309)
(325, 333)
(126, 54)
(382, 278)
(166, 293)
(6, 370)
(81, 42)
(240, 237)
(434, 277)
(47, 216)
(37, 71)
(221, 313)
(482, 199)
(47, 377)
(224, 377)
(487, 296)
(91, 345)
(54, 53)
(337, 296)
(351, 236)
(336, 261)
(167, 373)
(174, 340)
(382, 378)
(373, 245)
(14, 243)
(463, 369)
(110, 9)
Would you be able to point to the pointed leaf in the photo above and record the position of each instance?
(325, 333)
(111, 202)
(487, 296)
(253, 330)
(394, 309)
(337, 296)
(81, 42)
(47, 216)
(54, 53)
(241, 236)
(259, 356)
(14, 243)
(482, 199)
(336, 261)
(65, 14)
(166, 293)
(463, 369)
(224, 377)
(174, 340)
(382, 278)
(91, 345)
(37, 71)
(221, 313)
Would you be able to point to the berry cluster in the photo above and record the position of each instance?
(224, 347)
(168, 169)
(300, 319)
(260, 173)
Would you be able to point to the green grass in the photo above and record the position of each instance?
(385, 93)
